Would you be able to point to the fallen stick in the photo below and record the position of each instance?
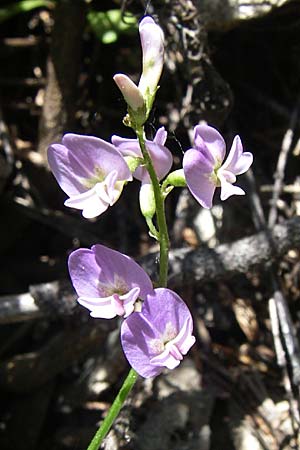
(187, 266)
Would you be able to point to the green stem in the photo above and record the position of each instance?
(163, 238)
(160, 212)
(152, 230)
(114, 410)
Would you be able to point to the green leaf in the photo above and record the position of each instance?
(23, 6)
(109, 37)
(108, 25)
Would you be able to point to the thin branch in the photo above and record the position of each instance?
(281, 164)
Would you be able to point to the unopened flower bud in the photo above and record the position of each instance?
(152, 40)
(176, 178)
(130, 91)
(147, 200)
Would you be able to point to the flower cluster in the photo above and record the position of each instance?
(92, 172)
(111, 284)
(157, 328)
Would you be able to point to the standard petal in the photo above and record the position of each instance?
(85, 273)
(117, 267)
(137, 336)
(60, 165)
(198, 174)
(167, 311)
(127, 147)
(95, 153)
(161, 157)
(209, 137)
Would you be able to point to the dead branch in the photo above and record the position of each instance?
(281, 164)
(25, 372)
(186, 267)
(62, 73)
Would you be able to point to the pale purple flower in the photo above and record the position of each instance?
(160, 335)
(161, 157)
(90, 171)
(107, 282)
(152, 41)
(205, 170)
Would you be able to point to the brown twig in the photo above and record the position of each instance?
(281, 164)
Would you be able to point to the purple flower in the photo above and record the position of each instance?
(161, 157)
(204, 168)
(90, 171)
(160, 335)
(107, 282)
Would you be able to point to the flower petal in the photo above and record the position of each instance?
(238, 161)
(198, 174)
(94, 152)
(137, 333)
(228, 189)
(127, 147)
(129, 90)
(89, 202)
(166, 359)
(165, 306)
(100, 308)
(129, 300)
(152, 41)
(209, 137)
(160, 136)
(184, 340)
(59, 162)
(115, 264)
(162, 160)
(84, 272)
(161, 156)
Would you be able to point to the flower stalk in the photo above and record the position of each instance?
(162, 236)
(114, 410)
